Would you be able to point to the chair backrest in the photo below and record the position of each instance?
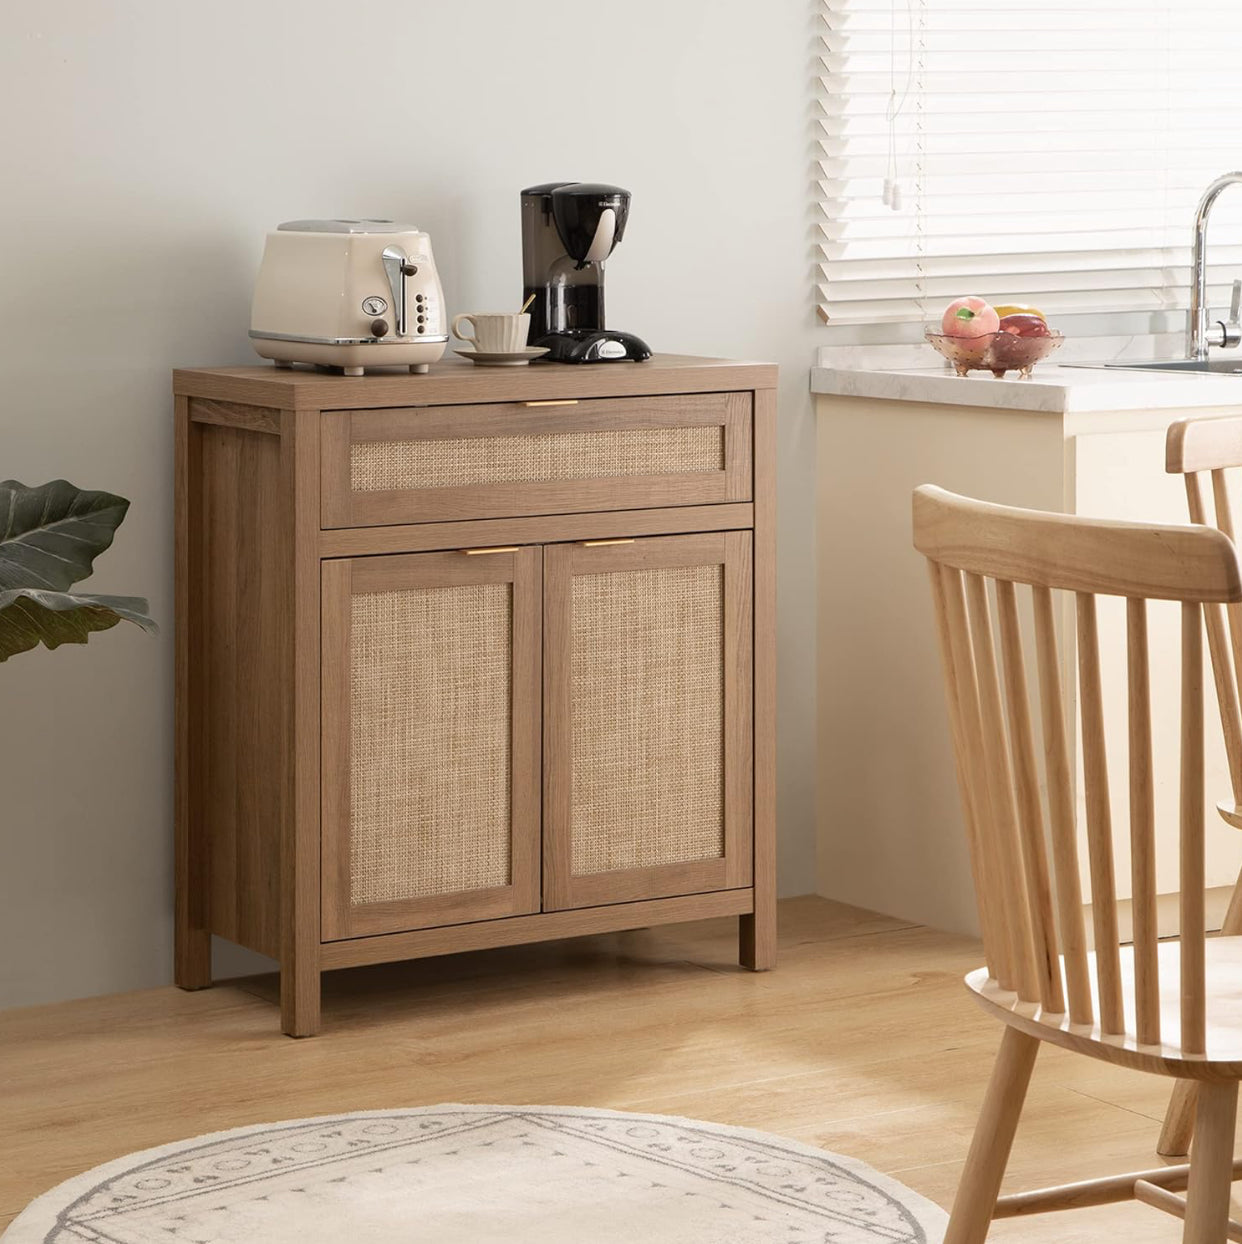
(1195, 448)
(967, 543)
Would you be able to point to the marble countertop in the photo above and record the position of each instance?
(1058, 390)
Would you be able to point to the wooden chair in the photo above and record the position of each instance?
(1193, 448)
(1171, 1008)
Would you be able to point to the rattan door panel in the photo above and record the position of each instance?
(430, 740)
(647, 719)
(418, 465)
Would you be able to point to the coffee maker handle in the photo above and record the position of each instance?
(604, 239)
(458, 319)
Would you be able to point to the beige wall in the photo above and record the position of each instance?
(149, 146)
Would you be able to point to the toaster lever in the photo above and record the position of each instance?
(397, 267)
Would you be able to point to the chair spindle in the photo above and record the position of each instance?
(995, 928)
(1030, 813)
(1142, 828)
(1062, 821)
(1229, 710)
(1193, 1036)
(953, 690)
(1000, 784)
(1099, 820)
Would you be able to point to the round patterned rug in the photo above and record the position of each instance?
(481, 1175)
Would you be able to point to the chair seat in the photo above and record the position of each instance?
(1223, 1059)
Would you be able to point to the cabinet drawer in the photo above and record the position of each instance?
(436, 463)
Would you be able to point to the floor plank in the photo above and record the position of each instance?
(863, 1040)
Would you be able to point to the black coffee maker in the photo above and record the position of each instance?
(568, 229)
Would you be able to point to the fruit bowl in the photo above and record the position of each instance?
(995, 352)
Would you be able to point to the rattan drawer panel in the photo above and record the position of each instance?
(648, 705)
(380, 466)
(447, 463)
(430, 747)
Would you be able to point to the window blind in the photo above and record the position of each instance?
(1042, 151)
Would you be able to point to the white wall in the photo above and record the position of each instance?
(149, 146)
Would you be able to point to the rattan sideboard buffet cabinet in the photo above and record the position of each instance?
(470, 659)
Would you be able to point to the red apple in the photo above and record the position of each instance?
(1025, 325)
(969, 317)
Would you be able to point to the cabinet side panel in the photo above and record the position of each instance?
(192, 955)
(757, 940)
(244, 682)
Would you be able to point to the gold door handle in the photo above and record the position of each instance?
(568, 401)
(599, 544)
(500, 548)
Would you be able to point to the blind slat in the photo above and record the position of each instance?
(1026, 270)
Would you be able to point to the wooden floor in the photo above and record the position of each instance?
(863, 1040)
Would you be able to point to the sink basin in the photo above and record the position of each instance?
(1213, 366)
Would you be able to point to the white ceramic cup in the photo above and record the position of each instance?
(495, 332)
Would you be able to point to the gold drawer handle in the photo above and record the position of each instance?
(500, 548)
(569, 401)
(599, 544)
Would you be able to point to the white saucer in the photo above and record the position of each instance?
(515, 358)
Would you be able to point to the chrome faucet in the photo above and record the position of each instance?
(1226, 333)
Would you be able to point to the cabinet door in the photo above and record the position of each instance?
(430, 740)
(647, 718)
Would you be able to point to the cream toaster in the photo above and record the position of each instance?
(348, 293)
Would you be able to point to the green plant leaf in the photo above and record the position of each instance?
(32, 616)
(51, 534)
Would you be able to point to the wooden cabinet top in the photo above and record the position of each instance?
(457, 381)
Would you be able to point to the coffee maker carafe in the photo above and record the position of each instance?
(568, 229)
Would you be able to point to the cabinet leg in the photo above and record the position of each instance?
(191, 931)
(756, 938)
(299, 1000)
(192, 958)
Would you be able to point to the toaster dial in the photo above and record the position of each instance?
(374, 305)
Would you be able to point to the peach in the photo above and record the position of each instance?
(969, 317)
